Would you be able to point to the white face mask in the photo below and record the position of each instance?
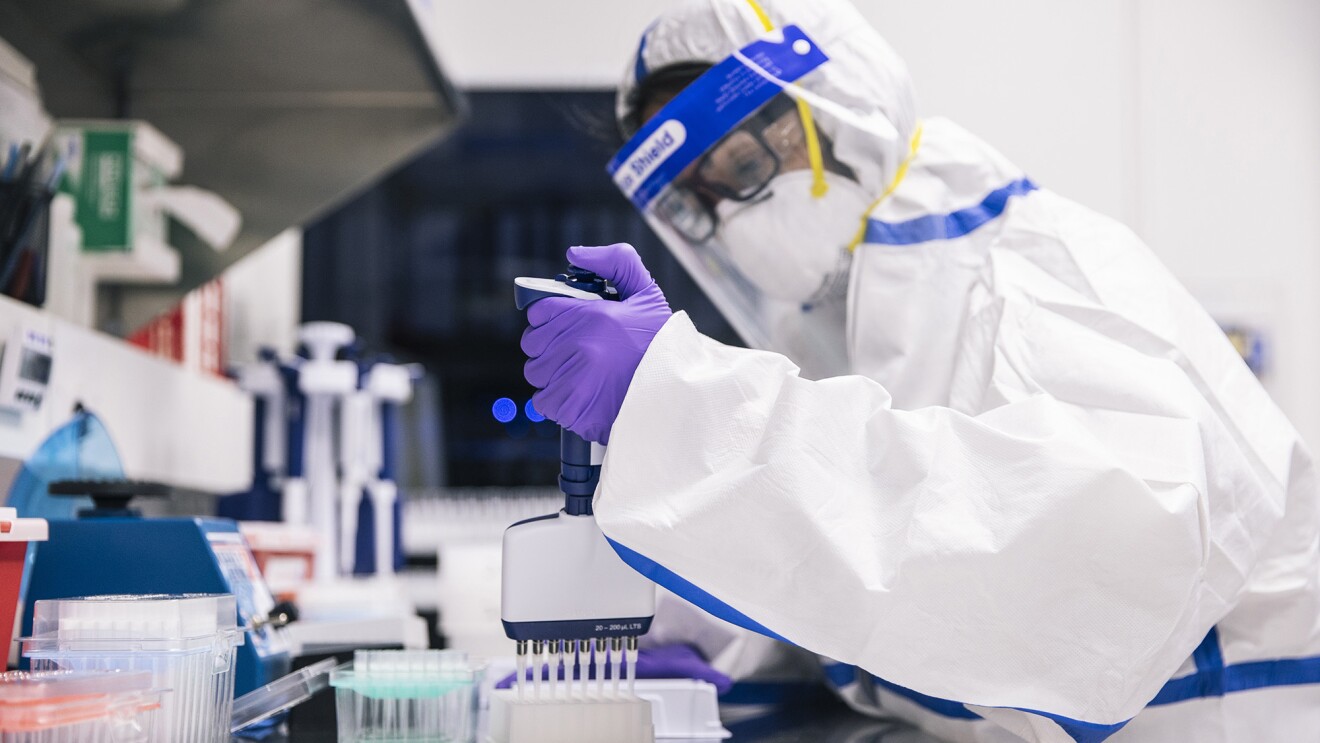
(791, 245)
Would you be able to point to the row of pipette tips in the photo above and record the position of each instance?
(582, 664)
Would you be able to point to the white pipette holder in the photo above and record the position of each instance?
(322, 379)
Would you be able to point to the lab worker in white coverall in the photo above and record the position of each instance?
(985, 454)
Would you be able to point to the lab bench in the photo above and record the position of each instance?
(816, 718)
(820, 718)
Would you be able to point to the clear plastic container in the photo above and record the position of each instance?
(406, 695)
(187, 642)
(288, 692)
(77, 707)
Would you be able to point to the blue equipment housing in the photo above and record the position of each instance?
(111, 549)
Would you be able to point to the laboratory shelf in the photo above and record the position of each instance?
(169, 424)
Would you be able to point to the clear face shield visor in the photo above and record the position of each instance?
(737, 168)
(747, 192)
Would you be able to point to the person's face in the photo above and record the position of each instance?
(737, 168)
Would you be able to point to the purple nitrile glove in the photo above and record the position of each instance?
(667, 662)
(583, 353)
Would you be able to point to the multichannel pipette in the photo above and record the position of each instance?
(573, 607)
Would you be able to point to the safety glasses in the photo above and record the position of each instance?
(738, 168)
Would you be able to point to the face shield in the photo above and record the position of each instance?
(760, 188)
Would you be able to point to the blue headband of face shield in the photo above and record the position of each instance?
(708, 109)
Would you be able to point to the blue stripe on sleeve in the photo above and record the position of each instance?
(942, 707)
(1084, 732)
(1212, 679)
(688, 592)
(840, 674)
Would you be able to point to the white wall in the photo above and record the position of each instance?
(263, 299)
(1049, 83)
(1229, 178)
(1197, 122)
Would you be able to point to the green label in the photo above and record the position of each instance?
(102, 191)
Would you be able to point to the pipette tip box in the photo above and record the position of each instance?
(187, 642)
(406, 695)
(618, 718)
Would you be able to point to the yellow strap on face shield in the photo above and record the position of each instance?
(761, 15)
(819, 186)
(889, 190)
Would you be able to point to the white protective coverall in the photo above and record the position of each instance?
(1050, 502)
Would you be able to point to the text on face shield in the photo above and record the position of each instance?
(650, 155)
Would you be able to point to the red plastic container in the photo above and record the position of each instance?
(15, 533)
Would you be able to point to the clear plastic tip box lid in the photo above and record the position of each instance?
(148, 622)
(77, 705)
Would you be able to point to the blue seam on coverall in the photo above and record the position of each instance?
(947, 226)
(1204, 683)
(685, 590)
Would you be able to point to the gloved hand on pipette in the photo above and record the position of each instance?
(582, 354)
(667, 662)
